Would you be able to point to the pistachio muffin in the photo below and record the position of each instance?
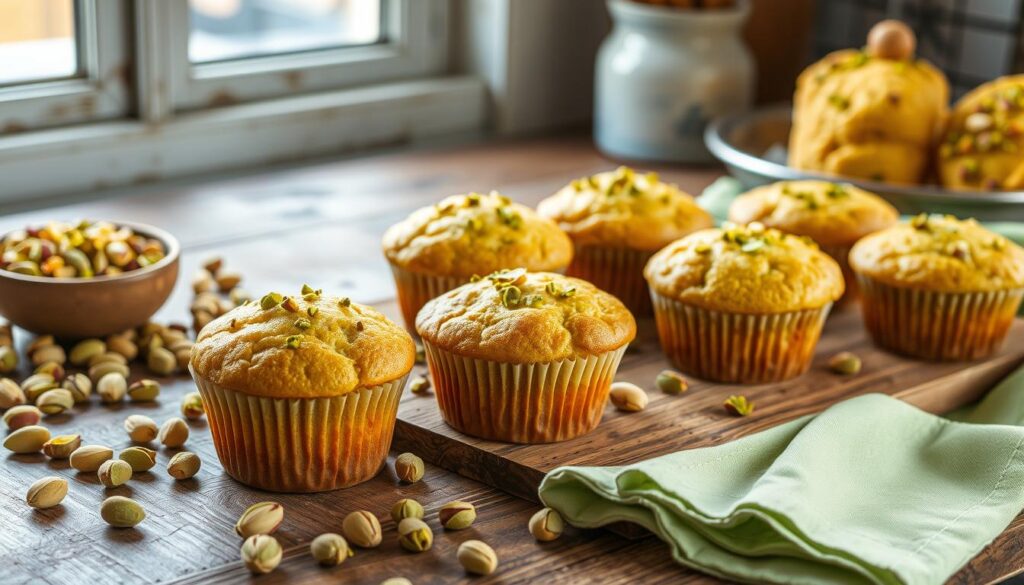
(939, 288)
(440, 247)
(302, 391)
(983, 148)
(524, 357)
(617, 220)
(873, 114)
(742, 304)
(834, 216)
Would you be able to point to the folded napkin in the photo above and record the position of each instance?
(871, 490)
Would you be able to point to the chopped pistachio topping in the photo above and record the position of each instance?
(507, 276)
(509, 217)
(312, 310)
(270, 300)
(553, 289)
(293, 341)
(473, 200)
(303, 323)
(290, 305)
(738, 405)
(308, 290)
(532, 300)
(839, 102)
(360, 326)
(702, 248)
(345, 302)
(510, 296)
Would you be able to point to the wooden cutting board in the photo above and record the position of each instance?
(697, 418)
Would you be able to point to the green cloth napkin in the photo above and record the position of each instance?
(872, 490)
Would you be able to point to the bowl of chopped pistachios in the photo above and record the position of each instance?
(86, 278)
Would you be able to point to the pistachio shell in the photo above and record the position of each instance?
(261, 518)
(110, 357)
(48, 353)
(28, 439)
(396, 581)
(90, 457)
(261, 553)
(362, 528)
(628, 397)
(161, 361)
(140, 458)
(140, 428)
(62, 446)
(173, 433)
(10, 394)
(36, 384)
(144, 390)
(546, 525)
(123, 346)
(457, 515)
(112, 387)
(671, 382)
(477, 557)
(192, 406)
(183, 465)
(406, 508)
(114, 472)
(414, 535)
(102, 370)
(55, 401)
(52, 368)
(330, 549)
(409, 468)
(79, 385)
(22, 415)
(85, 350)
(47, 492)
(121, 512)
(8, 359)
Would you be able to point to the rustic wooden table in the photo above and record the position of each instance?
(321, 225)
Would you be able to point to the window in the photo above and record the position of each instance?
(37, 40)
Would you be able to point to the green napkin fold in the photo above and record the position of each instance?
(872, 490)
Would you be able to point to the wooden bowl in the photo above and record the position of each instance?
(91, 307)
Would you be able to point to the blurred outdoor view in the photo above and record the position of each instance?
(37, 40)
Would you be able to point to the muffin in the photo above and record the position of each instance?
(742, 304)
(440, 247)
(939, 288)
(617, 220)
(302, 392)
(872, 114)
(834, 216)
(983, 148)
(524, 357)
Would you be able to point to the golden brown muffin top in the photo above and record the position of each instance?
(623, 208)
(302, 346)
(519, 317)
(746, 269)
(940, 253)
(983, 148)
(472, 234)
(829, 213)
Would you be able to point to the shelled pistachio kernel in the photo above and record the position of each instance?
(738, 405)
(122, 512)
(161, 361)
(140, 458)
(671, 382)
(192, 406)
(49, 353)
(628, 397)
(173, 433)
(362, 528)
(10, 394)
(27, 440)
(114, 472)
(79, 385)
(62, 446)
(22, 415)
(90, 457)
(112, 387)
(123, 346)
(47, 492)
(85, 350)
(406, 508)
(330, 549)
(184, 465)
(55, 401)
(141, 428)
(261, 553)
(546, 525)
(419, 384)
(414, 535)
(144, 390)
(477, 557)
(845, 363)
(271, 300)
(261, 518)
(409, 468)
(456, 515)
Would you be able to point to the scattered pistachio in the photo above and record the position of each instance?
(90, 457)
(10, 394)
(192, 406)
(79, 385)
(546, 525)
(83, 351)
(844, 363)
(396, 581)
(144, 390)
(414, 535)
(419, 384)
(261, 553)
(121, 512)
(48, 353)
(112, 387)
(101, 370)
(184, 465)
(671, 382)
(28, 439)
(477, 557)
(406, 508)
(114, 472)
(421, 354)
(161, 361)
(55, 401)
(330, 549)
(409, 468)
(36, 384)
(8, 359)
(140, 458)
(22, 415)
(108, 357)
(53, 369)
(628, 397)
(362, 529)
(140, 428)
(227, 281)
(62, 446)
(173, 433)
(239, 296)
(261, 518)
(457, 515)
(738, 405)
(122, 346)
(202, 281)
(213, 264)
(47, 492)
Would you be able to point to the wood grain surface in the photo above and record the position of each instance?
(322, 225)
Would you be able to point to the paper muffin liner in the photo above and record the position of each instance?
(302, 444)
(937, 325)
(522, 403)
(415, 289)
(841, 254)
(734, 347)
(615, 270)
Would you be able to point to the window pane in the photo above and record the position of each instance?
(236, 29)
(37, 40)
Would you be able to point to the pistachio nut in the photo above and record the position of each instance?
(22, 415)
(227, 281)
(261, 553)
(10, 394)
(110, 357)
(52, 368)
(406, 508)
(85, 350)
(161, 361)
(173, 433)
(192, 406)
(330, 549)
(546, 525)
(396, 581)
(457, 515)
(150, 328)
(62, 446)
(8, 359)
(39, 343)
(55, 401)
(419, 385)
(409, 468)
(239, 296)
(102, 369)
(213, 264)
(140, 458)
(628, 397)
(140, 428)
(121, 512)
(184, 465)
(261, 518)
(123, 346)
(114, 472)
(671, 382)
(845, 363)
(28, 439)
(362, 528)
(477, 557)
(47, 492)
(79, 385)
(49, 353)
(182, 356)
(414, 535)
(144, 390)
(202, 281)
(36, 384)
(89, 457)
(112, 387)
